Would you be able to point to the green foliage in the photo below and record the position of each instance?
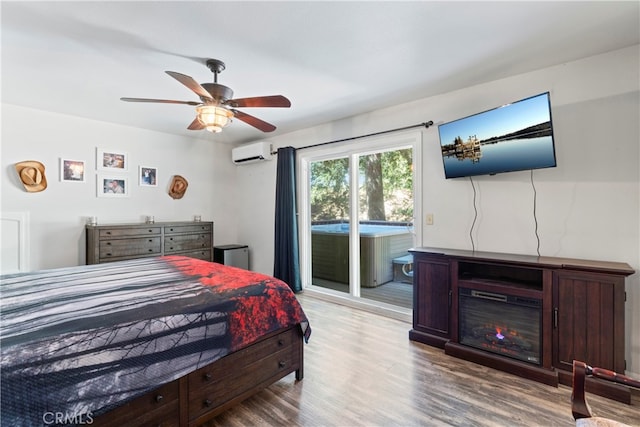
(385, 188)
(330, 189)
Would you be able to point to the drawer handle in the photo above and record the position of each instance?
(159, 398)
(207, 376)
(108, 243)
(171, 248)
(282, 364)
(207, 403)
(171, 229)
(150, 250)
(109, 254)
(171, 238)
(150, 230)
(280, 342)
(108, 232)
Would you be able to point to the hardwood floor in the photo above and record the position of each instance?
(362, 370)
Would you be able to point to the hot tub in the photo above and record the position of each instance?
(379, 245)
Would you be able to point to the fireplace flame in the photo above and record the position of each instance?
(499, 333)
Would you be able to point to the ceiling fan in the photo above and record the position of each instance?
(216, 106)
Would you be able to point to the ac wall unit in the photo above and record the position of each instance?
(251, 153)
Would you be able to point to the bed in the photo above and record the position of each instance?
(165, 341)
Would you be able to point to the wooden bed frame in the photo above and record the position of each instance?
(196, 398)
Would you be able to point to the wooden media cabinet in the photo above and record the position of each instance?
(554, 310)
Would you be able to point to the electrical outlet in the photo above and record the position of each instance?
(429, 219)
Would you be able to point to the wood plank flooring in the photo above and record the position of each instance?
(362, 370)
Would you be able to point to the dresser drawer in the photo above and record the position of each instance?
(159, 408)
(183, 242)
(189, 228)
(129, 232)
(129, 247)
(210, 387)
(215, 392)
(203, 254)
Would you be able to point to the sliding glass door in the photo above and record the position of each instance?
(329, 208)
(357, 221)
(386, 234)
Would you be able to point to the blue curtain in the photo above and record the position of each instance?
(286, 265)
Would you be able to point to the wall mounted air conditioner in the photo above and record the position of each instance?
(251, 153)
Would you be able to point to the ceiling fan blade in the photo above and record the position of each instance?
(195, 125)
(190, 83)
(260, 101)
(254, 121)
(162, 101)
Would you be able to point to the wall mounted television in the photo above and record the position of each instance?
(514, 137)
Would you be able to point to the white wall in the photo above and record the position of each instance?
(588, 207)
(58, 214)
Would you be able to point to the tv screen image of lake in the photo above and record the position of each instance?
(499, 155)
(516, 136)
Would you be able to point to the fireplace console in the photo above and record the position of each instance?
(527, 315)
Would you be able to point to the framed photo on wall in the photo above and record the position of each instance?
(72, 170)
(148, 176)
(112, 186)
(112, 160)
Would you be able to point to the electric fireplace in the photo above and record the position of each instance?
(504, 324)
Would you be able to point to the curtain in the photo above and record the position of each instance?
(286, 265)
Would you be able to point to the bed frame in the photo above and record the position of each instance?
(196, 398)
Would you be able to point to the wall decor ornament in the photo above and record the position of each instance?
(178, 187)
(32, 176)
(148, 176)
(112, 186)
(72, 170)
(112, 160)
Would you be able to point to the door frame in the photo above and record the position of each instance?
(352, 150)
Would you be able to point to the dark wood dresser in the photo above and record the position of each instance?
(118, 242)
(575, 308)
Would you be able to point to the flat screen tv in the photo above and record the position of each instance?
(514, 137)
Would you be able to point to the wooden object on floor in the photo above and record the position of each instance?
(118, 242)
(582, 308)
(198, 397)
(579, 406)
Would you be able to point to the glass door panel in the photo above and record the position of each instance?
(330, 201)
(359, 208)
(385, 219)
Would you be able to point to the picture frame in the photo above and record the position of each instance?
(112, 186)
(72, 170)
(112, 160)
(147, 176)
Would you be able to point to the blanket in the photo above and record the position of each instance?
(80, 341)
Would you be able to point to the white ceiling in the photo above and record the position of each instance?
(331, 59)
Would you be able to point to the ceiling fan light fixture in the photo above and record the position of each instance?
(213, 118)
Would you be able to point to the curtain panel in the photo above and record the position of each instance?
(286, 256)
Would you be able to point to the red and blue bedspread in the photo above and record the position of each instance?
(81, 341)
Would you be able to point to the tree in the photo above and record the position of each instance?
(371, 165)
(330, 189)
(385, 187)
